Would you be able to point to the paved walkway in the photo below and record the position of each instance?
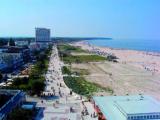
(58, 109)
(59, 105)
(90, 111)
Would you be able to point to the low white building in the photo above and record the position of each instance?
(22, 43)
(136, 107)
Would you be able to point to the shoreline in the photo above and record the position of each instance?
(125, 49)
(149, 61)
(114, 48)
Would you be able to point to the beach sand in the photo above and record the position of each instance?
(137, 72)
(149, 61)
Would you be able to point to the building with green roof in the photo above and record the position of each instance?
(136, 107)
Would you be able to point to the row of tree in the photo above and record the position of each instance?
(5, 42)
(34, 84)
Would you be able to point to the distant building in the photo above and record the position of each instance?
(34, 46)
(10, 61)
(3, 49)
(127, 108)
(13, 57)
(3, 65)
(21, 43)
(10, 100)
(43, 35)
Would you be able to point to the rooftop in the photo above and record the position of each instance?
(143, 106)
(119, 107)
(16, 97)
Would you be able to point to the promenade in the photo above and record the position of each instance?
(59, 103)
(62, 106)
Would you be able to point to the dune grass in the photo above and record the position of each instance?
(83, 58)
(80, 86)
(80, 72)
(66, 70)
(69, 48)
(65, 54)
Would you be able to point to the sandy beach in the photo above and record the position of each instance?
(137, 72)
(148, 61)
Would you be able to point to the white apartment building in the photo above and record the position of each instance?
(42, 35)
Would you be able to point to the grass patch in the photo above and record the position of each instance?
(82, 58)
(80, 86)
(107, 89)
(80, 72)
(69, 48)
(65, 54)
(75, 71)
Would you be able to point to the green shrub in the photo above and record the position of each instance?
(35, 83)
(69, 48)
(83, 58)
(37, 87)
(65, 70)
(80, 86)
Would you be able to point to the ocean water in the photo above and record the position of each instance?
(141, 45)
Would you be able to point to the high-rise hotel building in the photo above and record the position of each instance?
(42, 35)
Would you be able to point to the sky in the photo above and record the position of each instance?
(134, 19)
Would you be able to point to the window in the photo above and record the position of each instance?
(156, 116)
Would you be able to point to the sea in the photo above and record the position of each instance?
(140, 45)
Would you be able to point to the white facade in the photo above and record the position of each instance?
(22, 43)
(10, 60)
(43, 35)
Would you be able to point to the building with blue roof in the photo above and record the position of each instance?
(136, 107)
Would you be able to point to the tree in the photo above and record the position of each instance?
(42, 57)
(11, 42)
(3, 42)
(1, 76)
(20, 81)
(37, 87)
